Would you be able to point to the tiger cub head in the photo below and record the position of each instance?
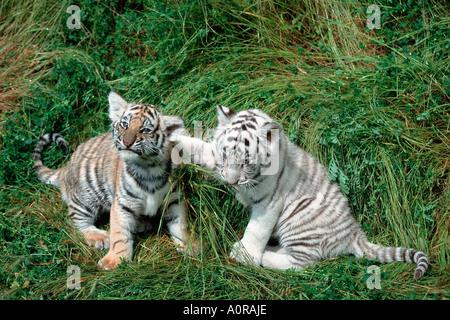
(141, 131)
(246, 146)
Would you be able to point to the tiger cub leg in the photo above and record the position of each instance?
(176, 222)
(121, 238)
(84, 218)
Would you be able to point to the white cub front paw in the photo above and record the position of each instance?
(209, 162)
(245, 254)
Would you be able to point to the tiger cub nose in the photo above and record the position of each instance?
(127, 143)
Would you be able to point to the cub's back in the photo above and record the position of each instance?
(92, 168)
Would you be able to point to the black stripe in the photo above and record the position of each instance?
(303, 204)
(128, 192)
(330, 185)
(136, 107)
(90, 182)
(116, 242)
(247, 118)
(152, 186)
(97, 183)
(235, 129)
(139, 183)
(411, 254)
(250, 125)
(127, 209)
(302, 256)
(313, 215)
(257, 146)
(303, 242)
(401, 254)
(130, 171)
(77, 211)
(252, 113)
(340, 211)
(163, 181)
(168, 167)
(300, 206)
(144, 181)
(276, 185)
(163, 140)
(156, 129)
(236, 122)
(77, 201)
(260, 199)
(405, 252)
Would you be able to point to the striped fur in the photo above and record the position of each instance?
(289, 195)
(126, 172)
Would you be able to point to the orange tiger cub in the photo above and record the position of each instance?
(126, 172)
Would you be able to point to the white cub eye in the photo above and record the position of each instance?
(224, 153)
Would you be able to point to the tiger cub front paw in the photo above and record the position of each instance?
(110, 261)
(99, 239)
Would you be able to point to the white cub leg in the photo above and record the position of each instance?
(286, 258)
(276, 260)
(276, 249)
(257, 234)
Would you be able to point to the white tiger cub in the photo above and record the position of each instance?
(289, 195)
(125, 172)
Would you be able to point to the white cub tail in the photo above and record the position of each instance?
(363, 247)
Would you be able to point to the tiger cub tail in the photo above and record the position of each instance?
(45, 174)
(372, 251)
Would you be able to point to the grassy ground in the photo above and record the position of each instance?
(373, 105)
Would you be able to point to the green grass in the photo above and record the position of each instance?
(373, 105)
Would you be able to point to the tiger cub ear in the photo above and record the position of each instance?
(117, 106)
(225, 114)
(172, 125)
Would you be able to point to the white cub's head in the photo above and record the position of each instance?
(246, 146)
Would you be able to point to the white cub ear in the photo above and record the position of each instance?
(271, 137)
(271, 130)
(117, 106)
(225, 114)
(173, 125)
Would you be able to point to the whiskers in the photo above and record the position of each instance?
(250, 184)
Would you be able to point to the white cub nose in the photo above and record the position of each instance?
(230, 176)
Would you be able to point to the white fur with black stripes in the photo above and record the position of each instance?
(289, 196)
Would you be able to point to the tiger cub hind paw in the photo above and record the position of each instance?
(191, 249)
